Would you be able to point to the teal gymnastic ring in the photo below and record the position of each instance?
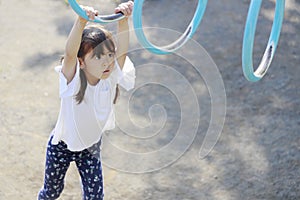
(102, 19)
(248, 40)
(138, 27)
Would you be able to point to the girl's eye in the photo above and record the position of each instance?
(111, 55)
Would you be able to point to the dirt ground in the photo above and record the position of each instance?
(257, 155)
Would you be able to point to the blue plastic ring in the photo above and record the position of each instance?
(138, 27)
(248, 40)
(102, 19)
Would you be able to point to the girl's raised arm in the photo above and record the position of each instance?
(73, 44)
(123, 32)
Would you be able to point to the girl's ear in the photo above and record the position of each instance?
(81, 63)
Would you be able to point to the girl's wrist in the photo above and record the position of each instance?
(124, 20)
(81, 21)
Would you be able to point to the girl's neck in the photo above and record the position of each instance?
(92, 80)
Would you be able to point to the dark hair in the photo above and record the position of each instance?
(92, 37)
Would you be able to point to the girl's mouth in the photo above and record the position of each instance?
(106, 71)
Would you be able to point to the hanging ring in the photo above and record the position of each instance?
(102, 19)
(248, 40)
(138, 27)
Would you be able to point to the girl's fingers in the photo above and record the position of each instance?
(125, 8)
(129, 3)
(91, 13)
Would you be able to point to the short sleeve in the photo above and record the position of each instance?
(67, 89)
(126, 76)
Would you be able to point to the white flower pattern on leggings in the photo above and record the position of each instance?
(58, 160)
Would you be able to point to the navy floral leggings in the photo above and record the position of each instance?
(58, 160)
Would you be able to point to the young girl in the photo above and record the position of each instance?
(91, 69)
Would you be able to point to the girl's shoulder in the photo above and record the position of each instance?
(67, 89)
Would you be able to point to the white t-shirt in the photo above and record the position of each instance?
(81, 125)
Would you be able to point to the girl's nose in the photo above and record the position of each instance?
(105, 61)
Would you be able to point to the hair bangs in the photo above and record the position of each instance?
(97, 39)
(106, 45)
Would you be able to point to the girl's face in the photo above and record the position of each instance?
(99, 67)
